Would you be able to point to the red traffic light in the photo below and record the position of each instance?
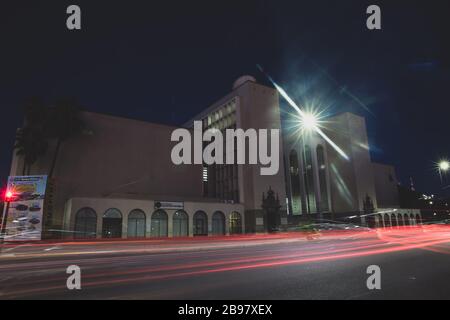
(8, 195)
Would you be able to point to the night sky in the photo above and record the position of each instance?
(164, 62)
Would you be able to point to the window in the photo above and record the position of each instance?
(218, 223)
(200, 224)
(235, 223)
(85, 223)
(309, 180)
(323, 206)
(159, 224)
(112, 224)
(180, 224)
(205, 174)
(136, 224)
(295, 183)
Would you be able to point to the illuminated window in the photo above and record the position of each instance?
(205, 174)
(235, 223)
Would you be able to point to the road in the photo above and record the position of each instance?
(414, 262)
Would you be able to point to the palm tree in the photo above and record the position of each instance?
(31, 141)
(63, 122)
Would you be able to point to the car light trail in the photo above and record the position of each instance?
(221, 259)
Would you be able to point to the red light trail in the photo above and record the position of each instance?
(126, 268)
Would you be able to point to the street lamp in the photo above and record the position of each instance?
(443, 167)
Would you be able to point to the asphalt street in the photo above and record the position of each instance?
(414, 264)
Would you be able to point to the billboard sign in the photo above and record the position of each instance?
(26, 208)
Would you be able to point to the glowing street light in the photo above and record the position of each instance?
(444, 165)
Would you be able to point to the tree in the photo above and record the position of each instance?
(30, 143)
(31, 140)
(63, 122)
(43, 123)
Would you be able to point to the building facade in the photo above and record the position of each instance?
(117, 179)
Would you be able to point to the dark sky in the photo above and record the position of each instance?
(165, 61)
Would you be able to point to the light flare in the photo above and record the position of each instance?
(291, 102)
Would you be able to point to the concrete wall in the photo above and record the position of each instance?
(353, 179)
(259, 109)
(386, 186)
(118, 155)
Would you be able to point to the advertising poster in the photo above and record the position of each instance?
(24, 216)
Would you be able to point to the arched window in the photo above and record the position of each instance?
(322, 179)
(380, 223)
(296, 197)
(112, 224)
(406, 218)
(159, 224)
(180, 224)
(309, 180)
(200, 224)
(394, 220)
(400, 220)
(418, 219)
(413, 220)
(218, 223)
(85, 223)
(235, 223)
(136, 224)
(371, 221)
(387, 221)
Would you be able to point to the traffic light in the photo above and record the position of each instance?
(8, 195)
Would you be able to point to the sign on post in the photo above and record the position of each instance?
(25, 213)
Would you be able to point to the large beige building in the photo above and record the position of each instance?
(118, 180)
